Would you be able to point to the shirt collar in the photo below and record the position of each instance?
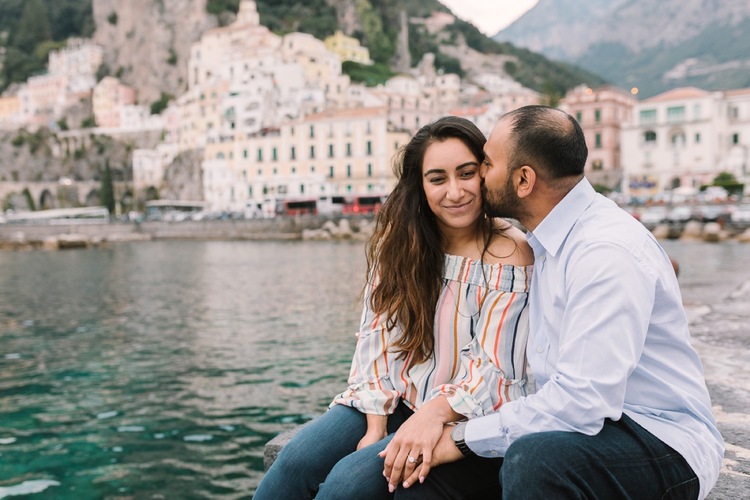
(554, 228)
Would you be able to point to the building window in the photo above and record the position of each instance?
(369, 148)
(649, 137)
(330, 172)
(697, 138)
(579, 116)
(676, 114)
(598, 141)
(312, 169)
(260, 155)
(369, 170)
(648, 116)
(312, 131)
(294, 170)
(312, 151)
(275, 171)
(274, 154)
(244, 153)
(597, 165)
(302, 189)
(597, 115)
(260, 172)
(348, 149)
(678, 139)
(292, 153)
(735, 139)
(330, 151)
(348, 170)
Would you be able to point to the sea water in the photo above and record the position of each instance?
(161, 369)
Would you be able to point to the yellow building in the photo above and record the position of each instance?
(334, 152)
(348, 48)
(10, 109)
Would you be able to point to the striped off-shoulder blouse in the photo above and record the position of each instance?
(479, 361)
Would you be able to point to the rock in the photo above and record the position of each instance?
(712, 232)
(661, 231)
(316, 234)
(66, 241)
(51, 243)
(693, 230)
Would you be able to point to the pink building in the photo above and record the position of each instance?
(601, 112)
(109, 99)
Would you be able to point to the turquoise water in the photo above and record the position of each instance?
(160, 369)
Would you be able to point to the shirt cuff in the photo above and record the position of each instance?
(485, 437)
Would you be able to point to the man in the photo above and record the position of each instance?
(621, 408)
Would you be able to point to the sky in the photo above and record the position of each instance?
(490, 16)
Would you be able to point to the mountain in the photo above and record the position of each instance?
(654, 46)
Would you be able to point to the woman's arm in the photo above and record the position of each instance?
(376, 430)
(371, 389)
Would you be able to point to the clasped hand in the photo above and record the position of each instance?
(418, 438)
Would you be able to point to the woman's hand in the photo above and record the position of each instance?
(409, 454)
(372, 436)
(376, 430)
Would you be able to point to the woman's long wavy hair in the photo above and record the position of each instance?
(405, 253)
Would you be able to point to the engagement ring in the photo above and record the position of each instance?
(411, 459)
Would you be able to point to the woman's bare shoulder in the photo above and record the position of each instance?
(509, 247)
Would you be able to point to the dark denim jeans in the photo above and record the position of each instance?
(623, 461)
(322, 459)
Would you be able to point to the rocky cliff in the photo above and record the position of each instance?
(147, 43)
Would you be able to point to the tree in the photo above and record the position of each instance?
(729, 182)
(33, 27)
(107, 189)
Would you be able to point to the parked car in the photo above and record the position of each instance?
(740, 216)
(679, 214)
(711, 213)
(653, 216)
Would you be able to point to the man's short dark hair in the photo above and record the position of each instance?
(547, 139)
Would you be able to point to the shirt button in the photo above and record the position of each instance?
(540, 350)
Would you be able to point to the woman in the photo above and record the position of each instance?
(443, 332)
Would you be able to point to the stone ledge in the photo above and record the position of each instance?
(733, 484)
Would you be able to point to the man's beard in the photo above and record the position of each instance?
(502, 202)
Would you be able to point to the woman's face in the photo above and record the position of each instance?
(452, 185)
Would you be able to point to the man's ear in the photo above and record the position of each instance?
(524, 179)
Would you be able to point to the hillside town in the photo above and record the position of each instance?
(276, 121)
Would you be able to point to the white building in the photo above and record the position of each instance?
(734, 143)
(79, 60)
(677, 139)
(149, 165)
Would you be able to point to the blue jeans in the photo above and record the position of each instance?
(623, 461)
(321, 460)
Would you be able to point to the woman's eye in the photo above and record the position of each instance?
(468, 174)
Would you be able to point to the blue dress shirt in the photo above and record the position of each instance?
(609, 335)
